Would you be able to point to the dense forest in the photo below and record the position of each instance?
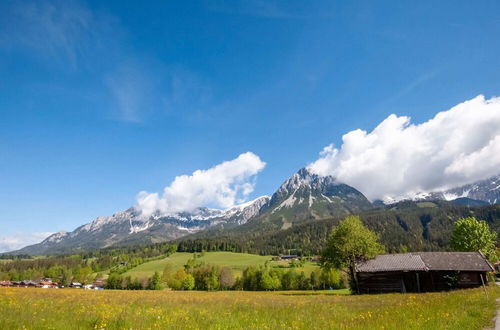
(406, 226)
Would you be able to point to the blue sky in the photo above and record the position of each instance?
(101, 100)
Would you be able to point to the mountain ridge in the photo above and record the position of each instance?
(303, 197)
(487, 190)
(130, 227)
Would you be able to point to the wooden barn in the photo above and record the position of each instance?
(422, 272)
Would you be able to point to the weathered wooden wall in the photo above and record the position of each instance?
(385, 282)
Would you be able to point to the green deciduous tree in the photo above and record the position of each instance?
(314, 280)
(155, 282)
(270, 280)
(114, 281)
(289, 280)
(348, 243)
(188, 282)
(330, 278)
(176, 279)
(469, 234)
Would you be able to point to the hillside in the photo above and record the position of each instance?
(236, 261)
(413, 226)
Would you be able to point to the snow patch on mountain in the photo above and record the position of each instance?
(128, 224)
(311, 200)
(136, 228)
(247, 210)
(56, 237)
(289, 202)
(327, 198)
(484, 190)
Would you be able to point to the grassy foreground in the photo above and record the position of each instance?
(78, 309)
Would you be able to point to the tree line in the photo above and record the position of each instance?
(83, 267)
(196, 275)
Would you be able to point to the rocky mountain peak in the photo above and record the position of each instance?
(305, 179)
(308, 190)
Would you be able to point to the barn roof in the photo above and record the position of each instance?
(425, 261)
(473, 261)
(392, 262)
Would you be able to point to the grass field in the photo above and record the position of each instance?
(236, 261)
(22, 308)
(308, 267)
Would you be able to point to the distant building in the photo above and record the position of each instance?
(315, 259)
(98, 284)
(422, 272)
(28, 283)
(289, 257)
(47, 284)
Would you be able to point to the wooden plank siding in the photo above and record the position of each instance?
(413, 281)
(422, 272)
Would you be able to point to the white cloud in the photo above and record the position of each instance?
(398, 159)
(20, 240)
(223, 186)
(57, 29)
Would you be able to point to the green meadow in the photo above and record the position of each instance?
(236, 261)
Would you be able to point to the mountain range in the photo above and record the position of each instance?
(301, 198)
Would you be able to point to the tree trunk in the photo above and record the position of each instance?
(354, 279)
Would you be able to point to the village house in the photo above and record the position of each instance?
(98, 284)
(28, 284)
(422, 272)
(47, 284)
(289, 257)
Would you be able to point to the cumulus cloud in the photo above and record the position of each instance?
(223, 185)
(398, 159)
(20, 240)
